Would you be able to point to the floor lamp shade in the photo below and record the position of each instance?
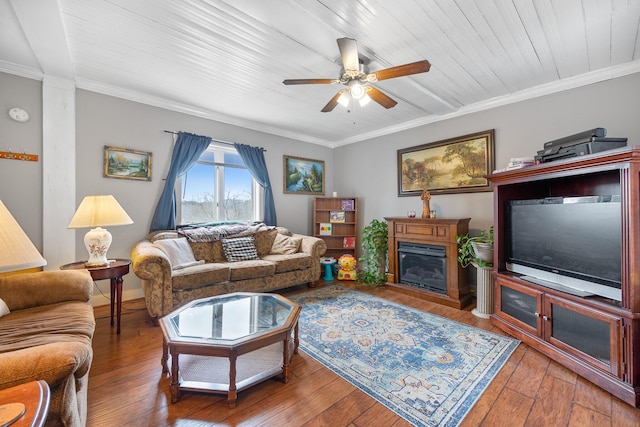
(16, 250)
(96, 212)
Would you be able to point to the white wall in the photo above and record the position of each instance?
(368, 169)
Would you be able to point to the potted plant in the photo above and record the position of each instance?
(375, 240)
(477, 250)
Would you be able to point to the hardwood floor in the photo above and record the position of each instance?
(127, 388)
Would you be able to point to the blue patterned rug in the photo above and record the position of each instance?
(428, 369)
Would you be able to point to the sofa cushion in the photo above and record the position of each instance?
(179, 252)
(284, 263)
(252, 269)
(198, 276)
(284, 245)
(264, 241)
(240, 249)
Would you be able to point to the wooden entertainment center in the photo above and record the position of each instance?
(596, 337)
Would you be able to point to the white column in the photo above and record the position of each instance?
(58, 170)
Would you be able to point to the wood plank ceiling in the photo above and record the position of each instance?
(226, 59)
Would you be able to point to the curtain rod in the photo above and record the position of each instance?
(215, 140)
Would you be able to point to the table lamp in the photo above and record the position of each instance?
(98, 212)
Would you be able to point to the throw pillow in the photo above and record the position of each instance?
(3, 308)
(284, 245)
(240, 249)
(179, 252)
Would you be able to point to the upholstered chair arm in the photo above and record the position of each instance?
(312, 245)
(153, 267)
(22, 291)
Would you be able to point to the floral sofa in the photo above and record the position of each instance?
(46, 329)
(176, 267)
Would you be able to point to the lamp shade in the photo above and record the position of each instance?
(99, 211)
(16, 250)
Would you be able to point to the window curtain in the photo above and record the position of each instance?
(253, 157)
(186, 151)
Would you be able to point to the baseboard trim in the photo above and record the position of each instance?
(99, 298)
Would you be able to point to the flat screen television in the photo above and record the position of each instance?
(573, 244)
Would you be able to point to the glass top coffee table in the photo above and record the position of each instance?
(227, 343)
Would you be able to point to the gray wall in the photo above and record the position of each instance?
(366, 170)
(369, 169)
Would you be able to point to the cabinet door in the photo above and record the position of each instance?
(519, 305)
(592, 335)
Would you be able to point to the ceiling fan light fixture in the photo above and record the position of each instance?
(364, 100)
(356, 89)
(344, 98)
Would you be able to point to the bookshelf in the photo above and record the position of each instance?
(335, 220)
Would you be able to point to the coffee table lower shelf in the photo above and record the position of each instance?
(210, 374)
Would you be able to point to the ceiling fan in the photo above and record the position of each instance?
(357, 78)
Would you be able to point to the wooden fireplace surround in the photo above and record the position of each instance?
(431, 231)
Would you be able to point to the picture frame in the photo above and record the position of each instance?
(337, 216)
(303, 176)
(124, 163)
(347, 205)
(450, 166)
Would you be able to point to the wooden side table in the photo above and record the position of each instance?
(114, 271)
(34, 396)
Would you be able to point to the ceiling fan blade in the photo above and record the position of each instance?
(349, 53)
(380, 97)
(403, 70)
(307, 81)
(332, 104)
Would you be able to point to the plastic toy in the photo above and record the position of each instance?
(347, 269)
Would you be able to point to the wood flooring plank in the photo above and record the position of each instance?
(593, 398)
(528, 376)
(553, 403)
(344, 412)
(585, 417)
(511, 409)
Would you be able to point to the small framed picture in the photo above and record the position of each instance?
(325, 229)
(347, 205)
(336, 216)
(127, 164)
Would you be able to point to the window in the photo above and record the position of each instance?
(218, 187)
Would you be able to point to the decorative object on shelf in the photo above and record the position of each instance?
(347, 271)
(432, 214)
(374, 247)
(18, 156)
(19, 115)
(478, 249)
(303, 176)
(455, 165)
(347, 205)
(328, 263)
(337, 216)
(98, 212)
(326, 229)
(349, 242)
(16, 250)
(426, 199)
(127, 164)
(411, 214)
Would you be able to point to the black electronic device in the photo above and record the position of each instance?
(573, 242)
(578, 148)
(587, 135)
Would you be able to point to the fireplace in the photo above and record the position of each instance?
(423, 266)
(423, 259)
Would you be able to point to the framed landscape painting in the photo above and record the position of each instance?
(456, 165)
(303, 176)
(127, 164)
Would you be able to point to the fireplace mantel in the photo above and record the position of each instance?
(431, 231)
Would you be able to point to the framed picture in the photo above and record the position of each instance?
(347, 205)
(456, 165)
(127, 164)
(336, 216)
(303, 176)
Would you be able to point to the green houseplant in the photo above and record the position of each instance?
(375, 240)
(477, 250)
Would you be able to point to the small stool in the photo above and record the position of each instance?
(328, 263)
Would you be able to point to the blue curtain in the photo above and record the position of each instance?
(253, 157)
(186, 151)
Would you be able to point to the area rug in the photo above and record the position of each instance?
(428, 369)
